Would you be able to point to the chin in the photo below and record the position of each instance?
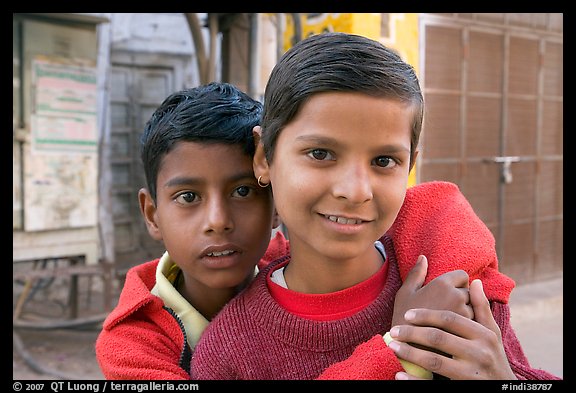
(230, 282)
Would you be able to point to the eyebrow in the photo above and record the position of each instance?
(318, 139)
(331, 142)
(193, 180)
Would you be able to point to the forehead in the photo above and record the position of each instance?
(201, 157)
(355, 110)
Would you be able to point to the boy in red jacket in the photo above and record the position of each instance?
(203, 202)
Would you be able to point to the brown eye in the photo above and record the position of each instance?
(242, 191)
(186, 197)
(320, 154)
(383, 161)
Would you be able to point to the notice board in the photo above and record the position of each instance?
(60, 165)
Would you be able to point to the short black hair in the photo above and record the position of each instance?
(212, 113)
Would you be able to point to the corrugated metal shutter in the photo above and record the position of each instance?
(494, 95)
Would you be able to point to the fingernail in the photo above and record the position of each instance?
(409, 315)
(394, 346)
(401, 376)
(394, 332)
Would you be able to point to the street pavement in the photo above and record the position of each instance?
(537, 316)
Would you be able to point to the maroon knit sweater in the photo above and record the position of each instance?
(256, 338)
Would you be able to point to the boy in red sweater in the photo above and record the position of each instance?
(340, 130)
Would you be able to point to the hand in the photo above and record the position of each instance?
(474, 347)
(448, 291)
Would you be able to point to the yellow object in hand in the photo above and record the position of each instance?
(409, 367)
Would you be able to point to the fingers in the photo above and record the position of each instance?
(465, 309)
(455, 278)
(453, 346)
(481, 306)
(417, 274)
(448, 321)
(454, 292)
(445, 332)
(404, 376)
(424, 357)
(441, 330)
(447, 343)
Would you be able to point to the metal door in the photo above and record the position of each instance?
(136, 92)
(493, 125)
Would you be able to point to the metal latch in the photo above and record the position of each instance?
(506, 173)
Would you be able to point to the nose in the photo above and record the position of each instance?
(218, 218)
(353, 183)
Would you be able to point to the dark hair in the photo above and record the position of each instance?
(211, 113)
(336, 62)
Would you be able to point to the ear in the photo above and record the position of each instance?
(148, 210)
(414, 160)
(276, 220)
(260, 164)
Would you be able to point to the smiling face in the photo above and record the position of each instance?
(339, 175)
(213, 217)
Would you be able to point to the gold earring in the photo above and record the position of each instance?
(260, 182)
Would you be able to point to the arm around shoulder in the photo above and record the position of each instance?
(369, 361)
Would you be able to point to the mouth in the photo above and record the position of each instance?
(220, 253)
(344, 220)
(221, 256)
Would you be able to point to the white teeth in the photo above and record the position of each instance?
(220, 253)
(344, 220)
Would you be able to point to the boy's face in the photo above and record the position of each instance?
(340, 173)
(213, 217)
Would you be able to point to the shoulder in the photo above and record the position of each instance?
(144, 273)
(434, 196)
(437, 220)
(139, 327)
(136, 300)
(141, 349)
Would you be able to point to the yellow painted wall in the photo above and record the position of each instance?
(366, 24)
(402, 34)
(404, 39)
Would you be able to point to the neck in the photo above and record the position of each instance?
(209, 301)
(321, 274)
